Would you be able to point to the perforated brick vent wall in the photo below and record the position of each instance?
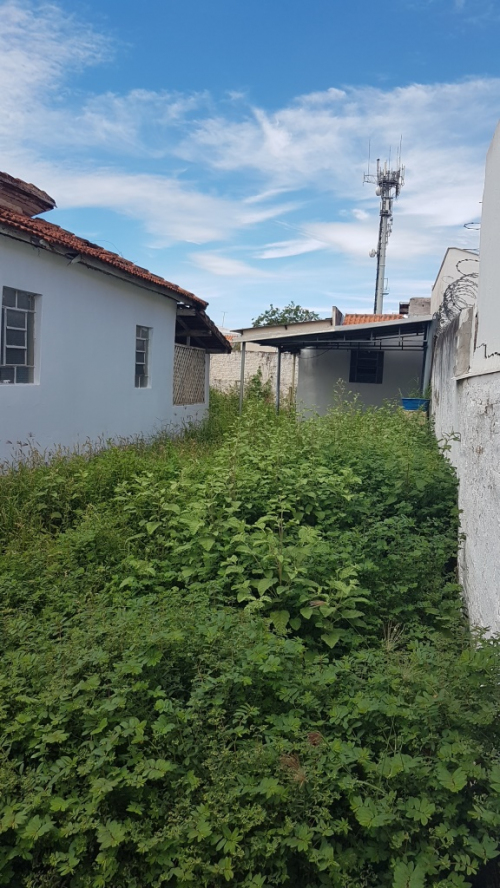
(189, 375)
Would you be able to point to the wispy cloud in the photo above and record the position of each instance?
(39, 45)
(225, 266)
(287, 248)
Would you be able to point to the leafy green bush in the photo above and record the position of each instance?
(240, 658)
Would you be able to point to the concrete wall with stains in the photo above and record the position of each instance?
(479, 497)
(466, 405)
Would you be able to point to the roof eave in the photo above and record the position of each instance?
(177, 294)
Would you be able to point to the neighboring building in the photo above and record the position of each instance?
(376, 357)
(225, 370)
(457, 275)
(466, 406)
(92, 346)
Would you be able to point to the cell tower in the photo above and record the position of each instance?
(389, 184)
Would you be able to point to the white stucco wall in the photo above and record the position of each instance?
(466, 401)
(320, 371)
(479, 497)
(486, 356)
(85, 354)
(469, 410)
(444, 405)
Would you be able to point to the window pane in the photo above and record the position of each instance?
(16, 319)
(15, 337)
(31, 341)
(6, 374)
(366, 366)
(141, 356)
(25, 300)
(24, 374)
(15, 356)
(9, 296)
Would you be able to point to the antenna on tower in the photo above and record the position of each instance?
(389, 184)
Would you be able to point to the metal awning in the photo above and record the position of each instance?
(408, 334)
(405, 334)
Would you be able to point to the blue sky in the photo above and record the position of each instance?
(223, 144)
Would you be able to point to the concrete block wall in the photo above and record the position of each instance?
(225, 369)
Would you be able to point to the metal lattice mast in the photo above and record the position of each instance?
(389, 184)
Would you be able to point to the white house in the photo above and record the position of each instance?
(92, 346)
(466, 405)
(376, 357)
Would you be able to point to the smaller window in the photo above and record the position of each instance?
(142, 356)
(366, 366)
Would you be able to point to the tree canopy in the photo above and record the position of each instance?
(290, 314)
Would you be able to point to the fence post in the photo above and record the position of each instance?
(278, 379)
(242, 373)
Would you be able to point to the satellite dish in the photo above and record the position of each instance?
(372, 254)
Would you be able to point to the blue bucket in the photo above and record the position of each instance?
(415, 403)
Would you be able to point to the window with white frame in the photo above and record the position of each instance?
(142, 341)
(17, 341)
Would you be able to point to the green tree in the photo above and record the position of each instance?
(290, 314)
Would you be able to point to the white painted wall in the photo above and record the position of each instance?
(85, 350)
(320, 371)
(486, 356)
(444, 405)
(479, 497)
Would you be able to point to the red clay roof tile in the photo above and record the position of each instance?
(55, 236)
(23, 197)
(370, 318)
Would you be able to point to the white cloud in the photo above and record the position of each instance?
(225, 266)
(283, 249)
(169, 210)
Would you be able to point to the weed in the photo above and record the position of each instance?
(239, 657)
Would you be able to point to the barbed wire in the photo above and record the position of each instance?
(458, 295)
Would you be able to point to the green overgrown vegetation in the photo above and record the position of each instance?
(240, 658)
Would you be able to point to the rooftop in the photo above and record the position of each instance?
(46, 234)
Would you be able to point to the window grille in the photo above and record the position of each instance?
(189, 375)
(142, 357)
(17, 340)
(367, 365)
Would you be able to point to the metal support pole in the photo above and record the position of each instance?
(294, 362)
(383, 237)
(278, 379)
(242, 373)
